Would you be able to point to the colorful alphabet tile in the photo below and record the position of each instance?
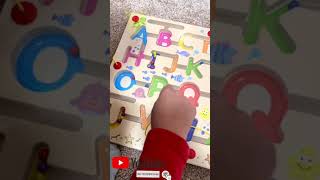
(160, 52)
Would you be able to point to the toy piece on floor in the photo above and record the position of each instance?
(88, 7)
(64, 20)
(39, 163)
(46, 2)
(24, 13)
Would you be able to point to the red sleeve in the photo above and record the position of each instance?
(164, 150)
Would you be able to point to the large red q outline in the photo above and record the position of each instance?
(268, 124)
(193, 100)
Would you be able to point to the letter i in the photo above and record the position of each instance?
(153, 59)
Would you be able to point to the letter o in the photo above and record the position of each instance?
(120, 76)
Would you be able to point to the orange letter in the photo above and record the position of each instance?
(173, 65)
(206, 43)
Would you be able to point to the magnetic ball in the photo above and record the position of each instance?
(24, 16)
(43, 154)
(75, 51)
(117, 65)
(192, 153)
(209, 33)
(135, 18)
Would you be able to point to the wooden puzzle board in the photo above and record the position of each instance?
(50, 117)
(130, 132)
(298, 71)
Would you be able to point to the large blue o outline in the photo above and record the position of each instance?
(120, 76)
(28, 54)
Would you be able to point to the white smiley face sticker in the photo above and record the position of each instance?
(305, 162)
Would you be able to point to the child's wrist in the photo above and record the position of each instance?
(176, 131)
(163, 135)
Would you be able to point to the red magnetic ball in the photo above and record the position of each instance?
(209, 33)
(25, 17)
(135, 18)
(192, 154)
(43, 153)
(117, 65)
(75, 51)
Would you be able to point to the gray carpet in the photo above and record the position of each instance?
(187, 11)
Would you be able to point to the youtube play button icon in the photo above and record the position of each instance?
(120, 162)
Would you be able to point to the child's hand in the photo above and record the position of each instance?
(172, 112)
(240, 151)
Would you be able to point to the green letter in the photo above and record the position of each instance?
(156, 80)
(259, 17)
(194, 67)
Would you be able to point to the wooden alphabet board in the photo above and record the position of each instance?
(152, 53)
